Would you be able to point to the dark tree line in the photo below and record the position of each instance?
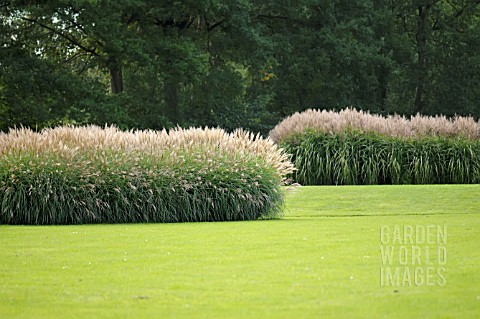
(238, 63)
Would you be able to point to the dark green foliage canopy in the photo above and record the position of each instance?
(241, 63)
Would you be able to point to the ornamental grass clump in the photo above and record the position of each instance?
(88, 174)
(356, 148)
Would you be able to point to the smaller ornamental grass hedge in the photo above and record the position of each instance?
(356, 148)
(88, 174)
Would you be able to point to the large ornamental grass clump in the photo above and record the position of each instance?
(88, 174)
(352, 147)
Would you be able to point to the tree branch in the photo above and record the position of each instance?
(269, 17)
(70, 39)
(215, 25)
(72, 21)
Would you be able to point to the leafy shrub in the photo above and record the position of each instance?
(92, 175)
(356, 148)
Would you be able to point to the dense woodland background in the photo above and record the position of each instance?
(237, 63)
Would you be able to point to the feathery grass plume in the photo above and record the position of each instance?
(395, 126)
(72, 175)
(354, 147)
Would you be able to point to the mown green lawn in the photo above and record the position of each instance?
(323, 260)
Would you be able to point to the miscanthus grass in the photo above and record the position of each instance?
(356, 158)
(355, 148)
(90, 174)
(417, 126)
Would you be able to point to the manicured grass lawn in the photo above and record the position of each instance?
(322, 260)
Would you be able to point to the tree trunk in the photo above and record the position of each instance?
(171, 100)
(383, 79)
(116, 76)
(421, 68)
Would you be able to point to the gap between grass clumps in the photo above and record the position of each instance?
(78, 175)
